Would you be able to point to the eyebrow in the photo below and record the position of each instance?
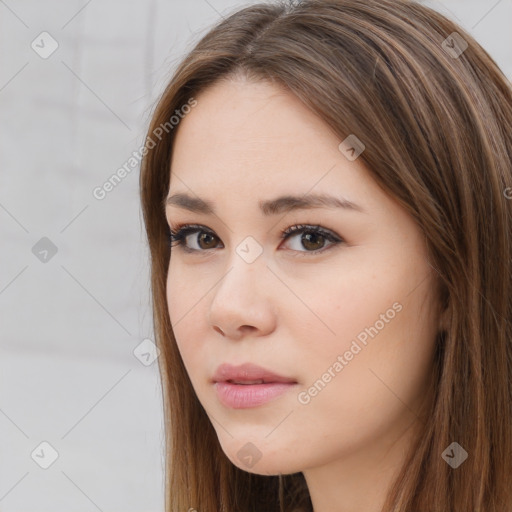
(276, 206)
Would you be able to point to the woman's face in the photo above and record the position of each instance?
(348, 313)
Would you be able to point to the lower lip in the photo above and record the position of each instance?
(242, 396)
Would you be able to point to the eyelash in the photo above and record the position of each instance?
(177, 236)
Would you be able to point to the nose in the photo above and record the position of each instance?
(243, 301)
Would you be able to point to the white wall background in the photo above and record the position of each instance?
(68, 326)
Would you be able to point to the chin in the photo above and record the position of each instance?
(261, 458)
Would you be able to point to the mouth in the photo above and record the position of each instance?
(249, 385)
(248, 374)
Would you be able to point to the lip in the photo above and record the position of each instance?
(243, 396)
(231, 393)
(248, 372)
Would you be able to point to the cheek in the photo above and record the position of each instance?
(376, 390)
(384, 333)
(184, 296)
(184, 308)
(339, 309)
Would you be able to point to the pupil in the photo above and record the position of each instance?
(308, 237)
(202, 237)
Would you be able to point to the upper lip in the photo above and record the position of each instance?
(247, 372)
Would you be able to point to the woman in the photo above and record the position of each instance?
(333, 180)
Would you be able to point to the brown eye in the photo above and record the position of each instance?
(187, 236)
(207, 238)
(312, 238)
(312, 241)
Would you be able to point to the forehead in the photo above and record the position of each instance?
(254, 130)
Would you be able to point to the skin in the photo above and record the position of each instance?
(292, 310)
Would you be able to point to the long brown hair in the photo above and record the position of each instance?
(434, 112)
